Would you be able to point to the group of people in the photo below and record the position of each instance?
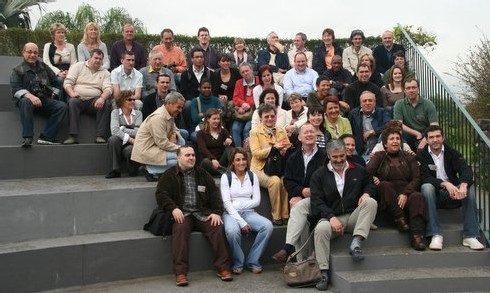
(349, 123)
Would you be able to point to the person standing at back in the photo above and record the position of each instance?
(210, 52)
(383, 53)
(127, 44)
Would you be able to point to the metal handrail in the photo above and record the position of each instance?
(462, 132)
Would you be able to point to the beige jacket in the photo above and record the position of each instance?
(152, 144)
(261, 144)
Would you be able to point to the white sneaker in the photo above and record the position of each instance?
(473, 243)
(436, 242)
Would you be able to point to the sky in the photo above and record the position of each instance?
(458, 26)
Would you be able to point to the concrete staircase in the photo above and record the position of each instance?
(62, 224)
(391, 265)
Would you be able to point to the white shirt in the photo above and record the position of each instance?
(339, 178)
(439, 164)
(199, 73)
(240, 196)
(308, 156)
(126, 81)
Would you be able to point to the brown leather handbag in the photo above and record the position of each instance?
(304, 273)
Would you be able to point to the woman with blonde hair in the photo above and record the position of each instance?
(90, 41)
(240, 54)
(59, 55)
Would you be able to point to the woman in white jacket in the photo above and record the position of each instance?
(240, 190)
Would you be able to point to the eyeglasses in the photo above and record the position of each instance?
(130, 100)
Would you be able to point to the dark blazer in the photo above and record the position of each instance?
(380, 117)
(295, 178)
(326, 201)
(455, 166)
(282, 60)
(381, 57)
(170, 191)
(189, 85)
(318, 62)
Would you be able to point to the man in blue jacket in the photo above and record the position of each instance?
(367, 122)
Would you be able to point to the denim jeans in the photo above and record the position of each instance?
(171, 161)
(53, 109)
(260, 225)
(440, 198)
(240, 131)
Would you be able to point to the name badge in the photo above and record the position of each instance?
(432, 167)
(201, 188)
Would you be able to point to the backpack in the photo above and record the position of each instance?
(250, 175)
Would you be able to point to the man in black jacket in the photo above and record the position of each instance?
(341, 197)
(447, 182)
(299, 168)
(190, 193)
(35, 88)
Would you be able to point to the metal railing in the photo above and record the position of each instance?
(461, 130)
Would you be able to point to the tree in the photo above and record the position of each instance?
(14, 13)
(56, 16)
(111, 22)
(418, 36)
(474, 72)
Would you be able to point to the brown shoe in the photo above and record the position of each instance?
(225, 275)
(281, 256)
(401, 224)
(181, 280)
(418, 242)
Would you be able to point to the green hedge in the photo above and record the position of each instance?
(12, 40)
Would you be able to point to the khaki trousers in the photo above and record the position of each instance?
(358, 223)
(277, 195)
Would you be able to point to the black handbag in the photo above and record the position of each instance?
(160, 223)
(274, 166)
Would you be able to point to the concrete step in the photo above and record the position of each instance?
(41, 161)
(398, 257)
(6, 101)
(427, 279)
(8, 62)
(69, 206)
(44, 208)
(11, 135)
(87, 259)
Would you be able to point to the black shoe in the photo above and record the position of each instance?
(27, 143)
(133, 171)
(322, 285)
(46, 140)
(113, 174)
(150, 177)
(357, 254)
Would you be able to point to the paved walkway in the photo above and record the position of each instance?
(270, 280)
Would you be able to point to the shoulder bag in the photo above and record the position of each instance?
(302, 273)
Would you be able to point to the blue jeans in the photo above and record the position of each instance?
(260, 225)
(440, 198)
(171, 161)
(240, 131)
(54, 110)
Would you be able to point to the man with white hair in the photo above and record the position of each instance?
(275, 56)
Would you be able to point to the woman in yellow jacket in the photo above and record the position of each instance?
(263, 138)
